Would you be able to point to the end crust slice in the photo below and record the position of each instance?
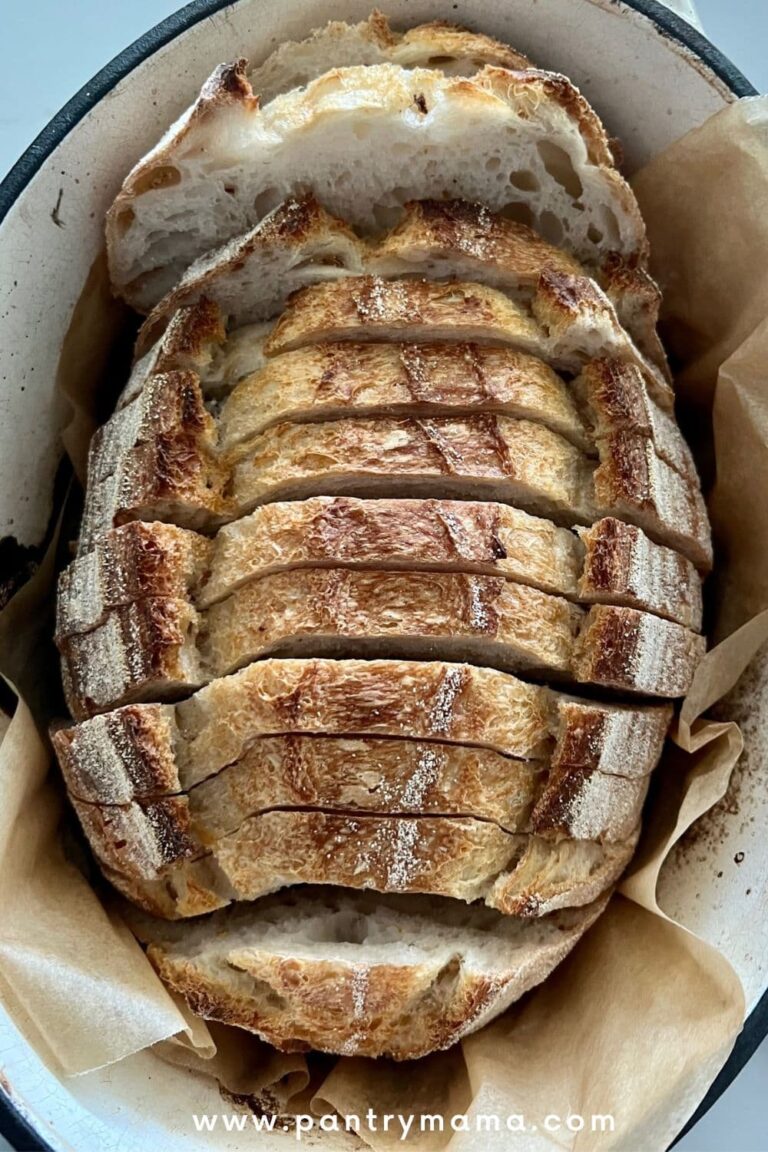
(379, 976)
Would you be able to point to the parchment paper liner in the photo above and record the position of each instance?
(639, 1019)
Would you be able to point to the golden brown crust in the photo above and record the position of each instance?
(131, 751)
(328, 381)
(433, 229)
(151, 459)
(154, 648)
(134, 562)
(637, 300)
(633, 483)
(142, 651)
(617, 646)
(623, 566)
(460, 857)
(370, 308)
(584, 804)
(534, 84)
(145, 750)
(616, 396)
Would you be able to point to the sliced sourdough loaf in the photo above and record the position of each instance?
(377, 975)
(611, 562)
(156, 460)
(382, 775)
(367, 140)
(467, 859)
(144, 750)
(300, 244)
(160, 648)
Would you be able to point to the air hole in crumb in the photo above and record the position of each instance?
(441, 61)
(525, 181)
(613, 230)
(125, 219)
(266, 201)
(560, 167)
(519, 212)
(493, 163)
(594, 234)
(164, 176)
(550, 227)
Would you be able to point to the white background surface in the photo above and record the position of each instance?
(50, 48)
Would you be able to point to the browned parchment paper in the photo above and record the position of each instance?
(639, 1019)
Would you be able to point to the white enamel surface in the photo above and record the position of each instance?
(648, 91)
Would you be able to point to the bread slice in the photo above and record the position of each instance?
(156, 459)
(324, 381)
(300, 244)
(449, 48)
(622, 566)
(567, 323)
(158, 649)
(328, 381)
(160, 838)
(452, 238)
(135, 562)
(611, 562)
(331, 381)
(144, 750)
(467, 859)
(357, 974)
(377, 774)
(367, 140)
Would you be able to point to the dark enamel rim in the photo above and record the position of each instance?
(13, 1126)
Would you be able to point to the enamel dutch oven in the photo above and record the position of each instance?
(651, 76)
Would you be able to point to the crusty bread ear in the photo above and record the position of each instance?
(366, 141)
(378, 976)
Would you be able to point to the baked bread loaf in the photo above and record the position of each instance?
(366, 964)
(395, 471)
(367, 140)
